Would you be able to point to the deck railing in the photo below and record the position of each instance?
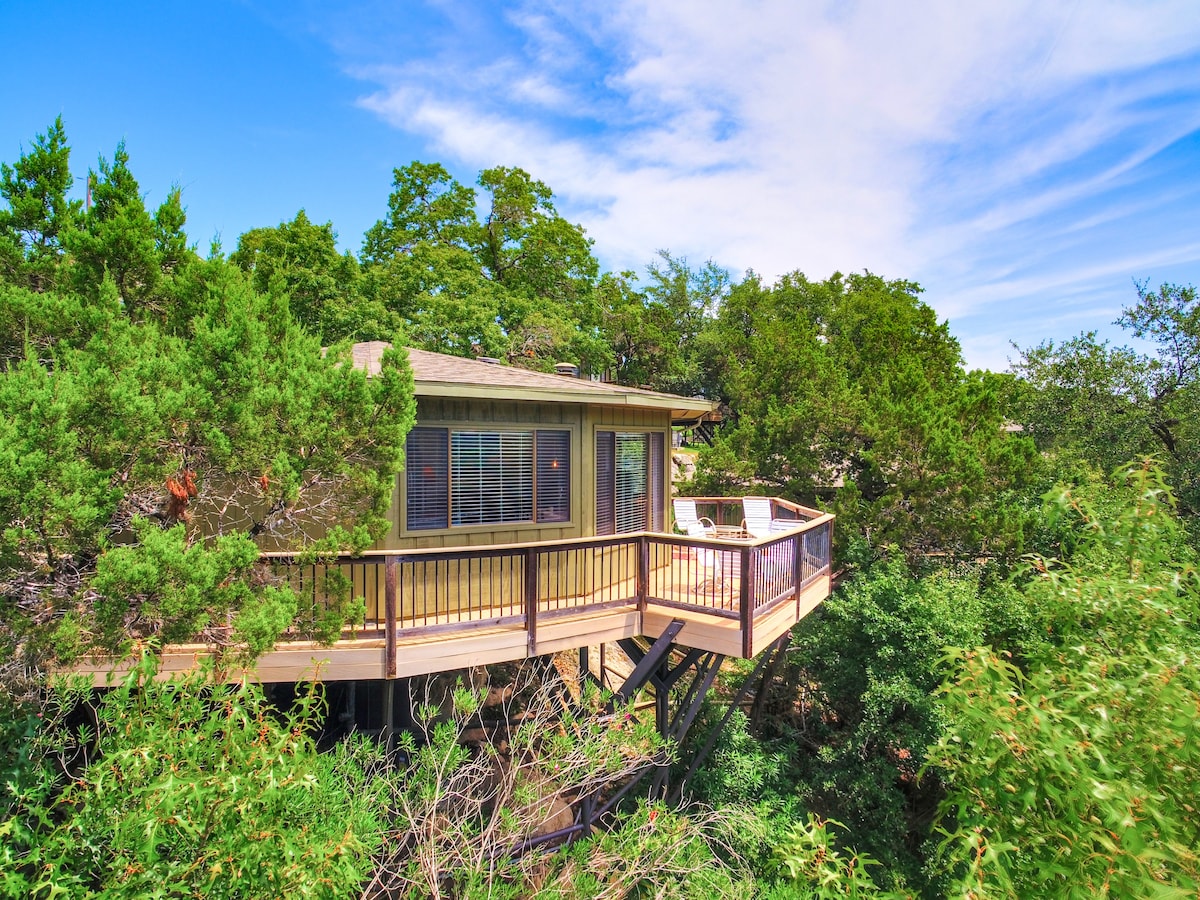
(410, 592)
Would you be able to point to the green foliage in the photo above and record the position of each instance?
(459, 811)
(853, 380)
(299, 261)
(119, 240)
(163, 588)
(655, 852)
(151, 390)
(740, 770)
(1106, 405)
(820, 871)
(658, 335)
(1075, 775)
(39, 215)
(519, 285)
(869, 668)
(203, 790)
(1086, 398)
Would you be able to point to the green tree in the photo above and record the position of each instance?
(1170, 317)
(32, 229)
(426, 206)
(299, 260)
(1074, 774)
(1086, 400)
(118, 238)
(657, 334)
(852, 383)
(240, 425)
(519, 285)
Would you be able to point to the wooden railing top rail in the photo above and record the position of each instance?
(605, 540)
(806, 511)
(742, 579)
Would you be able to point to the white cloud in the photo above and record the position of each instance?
(904, 138)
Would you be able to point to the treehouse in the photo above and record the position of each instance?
(531, 518)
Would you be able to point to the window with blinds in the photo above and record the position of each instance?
(463, 478)
(606, 485)
(426, 478)
(491, 477)
(629, 481)
(631, 487)
(657, 454)
(553, 476)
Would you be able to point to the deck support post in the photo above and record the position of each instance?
(662, 694)
(584, 670)
(389, 713)
(704, 673)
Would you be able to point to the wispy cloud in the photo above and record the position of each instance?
(912, 139)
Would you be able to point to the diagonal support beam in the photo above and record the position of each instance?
(703, 676)
(768, 655)
(632, 648)
(648, 663)
(706, 674)
(681, 669)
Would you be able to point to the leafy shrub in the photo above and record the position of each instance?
(869, 666)
(199, 789)
(656, 852)
(740, 770)
(1076, 777)
(819, 871)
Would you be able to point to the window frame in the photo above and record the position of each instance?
(464, 427)
(653, 512)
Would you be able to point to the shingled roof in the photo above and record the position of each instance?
(439, 375)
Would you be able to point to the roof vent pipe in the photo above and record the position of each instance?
(568, 369)
(490, 360)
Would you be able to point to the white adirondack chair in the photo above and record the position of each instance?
(686, 517)
(757, 513)
(759, 524)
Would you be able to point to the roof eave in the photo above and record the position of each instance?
(689, 408)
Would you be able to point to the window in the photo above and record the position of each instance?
(629, 481)
(460, 478)
(427, 478)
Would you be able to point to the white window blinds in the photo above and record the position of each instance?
(553, 476)
(426, 478)
(632, 489)
(462, 478)
(629, 481)
(491, 477)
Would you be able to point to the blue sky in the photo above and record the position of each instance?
(1025, 162)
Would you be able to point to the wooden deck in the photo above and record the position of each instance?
(439, 610)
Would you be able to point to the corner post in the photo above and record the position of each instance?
(799, 542)
(746, 602)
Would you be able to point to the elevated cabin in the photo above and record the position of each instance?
(533, 517)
